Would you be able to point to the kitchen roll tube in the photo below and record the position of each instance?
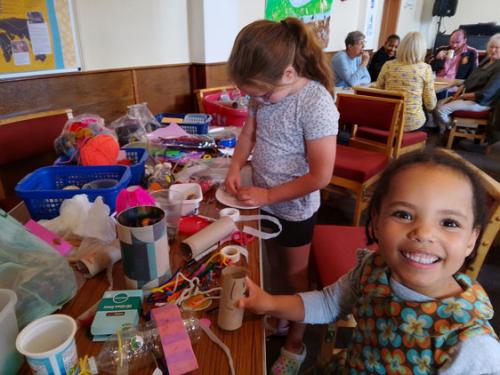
(233, 288)
(207, 237)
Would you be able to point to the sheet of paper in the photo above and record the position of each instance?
(175, 340)
(171, 131)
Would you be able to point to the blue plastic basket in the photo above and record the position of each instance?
(42, 190)
(193, 123)
(137, 156)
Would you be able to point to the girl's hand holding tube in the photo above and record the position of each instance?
(258, 301)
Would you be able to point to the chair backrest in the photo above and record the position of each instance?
(371, 112)
(493, 225)
(200, 94)
(24, 136)
(24, 143)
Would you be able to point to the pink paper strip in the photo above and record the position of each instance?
(175, 340)
(59, 244)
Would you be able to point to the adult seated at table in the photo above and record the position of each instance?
(350, 66)
(385, 53)
(457, 60)
(409, 73)
(480, 91)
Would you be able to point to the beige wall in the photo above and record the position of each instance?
(126, 33)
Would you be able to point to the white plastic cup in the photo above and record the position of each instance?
(10, 359)
(170, 201)
(49, 344)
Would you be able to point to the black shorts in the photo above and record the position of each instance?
(293, 233)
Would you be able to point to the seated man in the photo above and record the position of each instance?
(350, 65)
(456, 60)
(385, 53)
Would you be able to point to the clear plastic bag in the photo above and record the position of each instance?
(76, 132)
(41, 277)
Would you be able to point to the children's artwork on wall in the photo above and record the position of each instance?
(316, 12)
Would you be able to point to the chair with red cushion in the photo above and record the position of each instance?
(27, 143)
(410, 141)
(358, 165)
(334, 250)
(468, 124)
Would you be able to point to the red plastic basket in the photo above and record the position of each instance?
(223, 115)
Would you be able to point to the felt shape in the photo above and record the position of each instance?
(102, 149)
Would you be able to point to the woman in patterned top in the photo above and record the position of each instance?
(409, 73)
(416, 312)
(291, 129)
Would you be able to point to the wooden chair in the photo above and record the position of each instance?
(358, 166)
(493, 226)
(201, 93)
(468, 124)
(410, 141)
(27, 143)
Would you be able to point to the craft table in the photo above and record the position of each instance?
(246, 344)
(443, 84)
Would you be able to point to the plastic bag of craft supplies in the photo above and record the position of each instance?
(40, 276)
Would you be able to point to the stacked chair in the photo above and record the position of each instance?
(359, 164)
(410, 141)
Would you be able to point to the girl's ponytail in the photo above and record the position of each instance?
(310, 61)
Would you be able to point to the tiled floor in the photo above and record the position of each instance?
(339, 210)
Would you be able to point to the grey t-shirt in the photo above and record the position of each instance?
(476, 355)
(280, 154)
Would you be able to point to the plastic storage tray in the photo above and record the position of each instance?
(42, 190)
(222, 114)
(137, 156)
(193, 123)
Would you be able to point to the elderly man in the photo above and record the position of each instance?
(350, 66)
(456, 60)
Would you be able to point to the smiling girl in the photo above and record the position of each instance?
(416, 312)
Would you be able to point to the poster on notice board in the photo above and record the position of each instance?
(36, 37)
(316, 12)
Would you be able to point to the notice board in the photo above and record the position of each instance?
(37, 37)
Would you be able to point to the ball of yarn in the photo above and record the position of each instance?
(133, 196)
(102, 149)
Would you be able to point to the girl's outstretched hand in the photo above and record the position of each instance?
(258, 301)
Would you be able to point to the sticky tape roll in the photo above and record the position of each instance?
(233, 253)
(233, 213)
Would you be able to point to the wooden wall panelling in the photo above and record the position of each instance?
(104, 93)
(165, 89)
(217, 75)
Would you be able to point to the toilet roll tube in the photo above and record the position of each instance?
(230, 317)
(208, 236)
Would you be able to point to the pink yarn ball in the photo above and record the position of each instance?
(133, 196)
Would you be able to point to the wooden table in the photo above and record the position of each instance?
(246, 344)
(443, 84)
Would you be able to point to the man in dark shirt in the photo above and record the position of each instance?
(456, 60)
(385, 53)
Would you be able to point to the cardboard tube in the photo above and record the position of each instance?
(99, 259)
(208, 236)
(233, 288)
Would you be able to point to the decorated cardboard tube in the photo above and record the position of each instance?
(207, 237)
(233, 288)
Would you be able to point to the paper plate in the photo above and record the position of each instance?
(231, 201)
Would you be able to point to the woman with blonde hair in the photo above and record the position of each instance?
(409, 73)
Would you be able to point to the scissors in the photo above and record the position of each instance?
(242, 238)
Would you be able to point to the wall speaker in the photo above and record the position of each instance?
(444, 8)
